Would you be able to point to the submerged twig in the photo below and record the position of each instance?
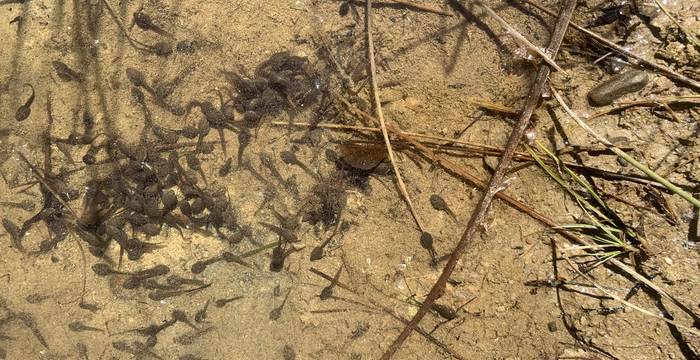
(495, 184)
(380, 115)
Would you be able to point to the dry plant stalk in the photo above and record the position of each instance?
(380, 115)
(496, 180)
(669, 73)
(519, 37)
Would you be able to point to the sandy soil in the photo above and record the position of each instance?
(430, 67)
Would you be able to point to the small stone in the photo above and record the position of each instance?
(617, 86)
(552, 326)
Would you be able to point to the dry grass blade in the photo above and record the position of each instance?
(460, 147)
(519, 37)
(643, 168)
(380, 115)
(669, 73)
(495, 184)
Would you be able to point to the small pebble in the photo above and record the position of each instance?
(617, 86)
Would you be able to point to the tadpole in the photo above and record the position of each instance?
(201, 314)
(426, 241)
(15, 234)
(290, 158)
(244, 137)
(26, 109)
(285, 234)
(190, 337)
(439, 204)
(327, 291)
(223, 302)
(159, 295)
(276, 313)
(65, 73)
(226, 167)
(144, 21)
(181, 316)
(78, 326)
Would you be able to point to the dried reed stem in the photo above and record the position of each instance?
(380, 115)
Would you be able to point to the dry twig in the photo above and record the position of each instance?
(454, 145)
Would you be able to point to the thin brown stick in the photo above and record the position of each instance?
(380, 115)
(669, 73)
(468, 145)
(494, 186)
